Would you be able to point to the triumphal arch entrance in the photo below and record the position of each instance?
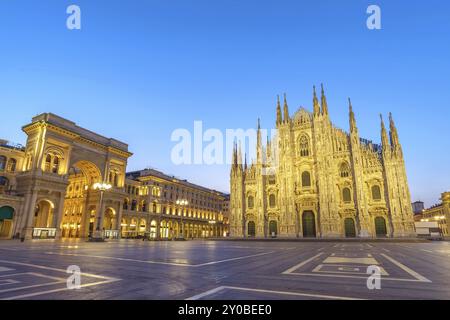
(64, 165)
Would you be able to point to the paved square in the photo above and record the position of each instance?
(131, 269)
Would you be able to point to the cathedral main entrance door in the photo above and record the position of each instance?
(273, 230)
(380, 227)
(251, 229)
(309, 224)
(350, 231)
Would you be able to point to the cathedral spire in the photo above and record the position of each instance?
(279, 120)
(324, 102)
(384, 138)
(316, 106)
(245, 161)
(239, 154)
(286, 110)
(352, 117)
(234, 154)
(393, 132)
(259, 144)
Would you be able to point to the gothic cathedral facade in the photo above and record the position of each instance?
(314, 180)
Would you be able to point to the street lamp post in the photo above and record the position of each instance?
(183, 203)
(102, 187)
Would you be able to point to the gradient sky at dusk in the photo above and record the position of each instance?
(140, 69)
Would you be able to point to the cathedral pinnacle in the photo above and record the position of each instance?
(279, 120)
(324, 102)
(316, 106)
(352, 116)
(286, 110)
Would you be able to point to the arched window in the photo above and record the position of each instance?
(144, 206)
(250, 202)
(304, 146)
(344, 170)
(306, 179)
(55, 167)
(2, 163)
(125, 204)
(272, 200)
(133, 205)
(12, 165)
(346, 195)
(376, 193)
(154, 207)
(48, 162)
(116, 180)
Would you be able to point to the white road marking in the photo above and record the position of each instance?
(290, 293)
(301, 264)
(406, 269)
(368, 261)
(354, 277)
(8, 282)
(104, 280)
(345, 269)
(162, 262)
(3, 269)
(427, 250)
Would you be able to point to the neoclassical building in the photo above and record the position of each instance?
(49, 189)
(315, 180)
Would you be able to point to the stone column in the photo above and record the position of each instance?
(57, 217)
(29, 216)
(119, 220)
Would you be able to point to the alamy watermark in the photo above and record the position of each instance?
(374, 280)
(215, 147)
(73, 21)
(74, 280)
(374, 20)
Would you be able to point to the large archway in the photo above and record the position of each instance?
(43, 214)
(309, 224)
(6, 221)
(80, 206)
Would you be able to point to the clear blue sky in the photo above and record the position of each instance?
(140, 69)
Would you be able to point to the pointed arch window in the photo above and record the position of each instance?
(306, 179)
(344, 170)
(304, 146)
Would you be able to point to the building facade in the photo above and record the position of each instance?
(49, 189)
(315, 180)
(165, 207)
(439, 213)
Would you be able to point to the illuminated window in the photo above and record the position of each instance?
(12, 165)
